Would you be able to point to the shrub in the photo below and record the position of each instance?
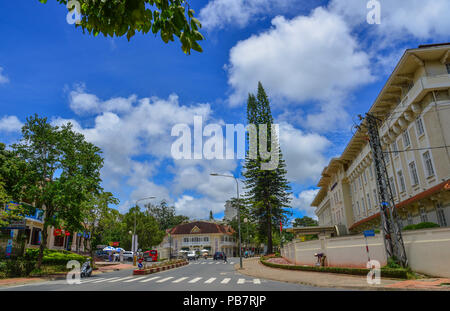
(422, 225)
(16, 267)
(54, 257)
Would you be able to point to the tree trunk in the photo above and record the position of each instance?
(269, 231)
(42, 246)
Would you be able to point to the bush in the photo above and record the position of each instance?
(16, 267)
(422, 225)
(54, 257)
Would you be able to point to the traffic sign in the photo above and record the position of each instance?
(140, 265)
(369, 233)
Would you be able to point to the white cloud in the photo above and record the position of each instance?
(303, 153)
(302, 202)
(307, 58)
(83, 103)
(10, 124)
(197, 208)
(3, 77)
(400, 18)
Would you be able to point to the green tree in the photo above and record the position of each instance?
(147, 228)
(96, 209)
(165, 215)
(305, 221)
(266, 189)
(169, 18)
(64, 170)
(211, 216)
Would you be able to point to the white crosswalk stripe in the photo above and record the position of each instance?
(241, 281)
(225, 281)
(256, 281)
(203, 263)
(104, 280)
(121, 279)
(164, 280)
(195, 280)
(150, 279)
(218, 263)
(211, 263)
(92, 280)
(180, 280)
(135, 279)
(209, 281)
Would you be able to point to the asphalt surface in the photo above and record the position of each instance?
(199, 275)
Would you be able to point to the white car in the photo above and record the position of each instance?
(128, 255)
(192, 255)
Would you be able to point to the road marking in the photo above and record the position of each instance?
(218, 263)
(232, 263)
(203, 263)
(209, 281)
(180, 280)
(225, 281)
(135, 279)
(195, 280)
(121, 279)
(163, 280)
(241, 281)
(150, 279)
(256, 281)
(93, 280)
(104, 280)
(211, 263)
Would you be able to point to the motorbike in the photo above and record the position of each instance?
(86, 269)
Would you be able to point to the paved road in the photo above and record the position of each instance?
(200, 275)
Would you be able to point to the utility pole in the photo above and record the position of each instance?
(392, 235)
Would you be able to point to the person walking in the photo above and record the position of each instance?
(224, 257)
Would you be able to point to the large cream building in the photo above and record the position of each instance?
(414, 106)
(199, 235)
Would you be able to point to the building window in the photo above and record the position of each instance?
(428, 164)
(413, 172)
(370, 171)
(395, 148)
(406, 141)
(59, 241)
(410, 219)
(206, 239)
(369, 204)
(365, 177)
(402, 181)
(392, 185)
(387, 157)
(360, 183)
(423, 215)
(375, 196)
(363, 203)
(358, 210)
(419, 127)
(448, 68)
(441, 215)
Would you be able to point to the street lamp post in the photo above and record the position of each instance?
(238, 213)
(134, 230)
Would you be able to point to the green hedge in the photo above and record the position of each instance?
(385, 272)
(422, 225)
(54, 257)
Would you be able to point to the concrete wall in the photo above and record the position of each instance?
(428, 251)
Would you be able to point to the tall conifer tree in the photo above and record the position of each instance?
(266, 190)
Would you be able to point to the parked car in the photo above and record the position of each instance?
(101, 254)
(127, 255)
(192, 255)
(219, 255)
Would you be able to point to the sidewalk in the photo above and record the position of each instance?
(100, 270)
(253, 267)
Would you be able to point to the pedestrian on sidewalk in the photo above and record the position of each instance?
(224, 257)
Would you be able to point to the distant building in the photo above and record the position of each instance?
(230, 211)
(198, 235)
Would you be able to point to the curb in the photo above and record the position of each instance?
(355, 287)
(158, 269)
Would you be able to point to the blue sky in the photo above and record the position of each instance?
(320, 62)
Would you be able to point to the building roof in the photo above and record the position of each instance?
(201, 227)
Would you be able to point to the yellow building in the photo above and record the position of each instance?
(414, 106)
(199, 235)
